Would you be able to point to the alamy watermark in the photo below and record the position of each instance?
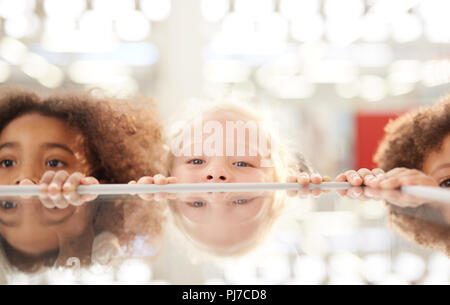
(231, 138)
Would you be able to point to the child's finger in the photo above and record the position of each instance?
(132, 182)
(362, 172)
(160, 179)
(369, 179)
(146, 180)
(303, 179)
(72, 182)
(57, 181)
(394, 172)
(341, 177)
(390, 183)
(89, 181)
(377, 171)
(353, 177)
(45, 180)
(316, 178)
(172, 180)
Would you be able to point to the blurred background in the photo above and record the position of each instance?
(333, 72)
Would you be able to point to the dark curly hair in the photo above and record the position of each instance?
(423, 225)
(412, 136)
(123, 141)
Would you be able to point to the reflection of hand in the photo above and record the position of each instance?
(392, 196)
(355, 192)
(360, 177)
(58, 189)
(395, 197)
(158, 180)
(304, 180)
(398, 177)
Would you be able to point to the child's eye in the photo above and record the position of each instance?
(240, 201)
(445, 183)
(197, 162)
(241, 164)
(197, 204)
(55, 163)
(8, 205)
(8, 163)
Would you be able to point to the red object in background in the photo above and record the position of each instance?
(369, 131)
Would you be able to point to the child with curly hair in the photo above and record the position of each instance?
(60, 142)
(414, 151)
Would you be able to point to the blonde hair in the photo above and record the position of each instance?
(285, 158)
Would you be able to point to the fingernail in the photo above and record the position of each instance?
(53, 186)
(67, 186)
(357, 180)
(369, 178)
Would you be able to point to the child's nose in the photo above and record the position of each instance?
(217, 174)
(216, 178)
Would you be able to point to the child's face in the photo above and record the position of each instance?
(33, 229)
(437, 164)
(32, 144)
(225, 168)
(223, 221)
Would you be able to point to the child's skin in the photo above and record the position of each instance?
(435, 172)
(224, 220)
(37, 149)
(223, 169)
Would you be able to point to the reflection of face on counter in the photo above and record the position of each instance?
(28, 229)
(224, 223)
(427, 224)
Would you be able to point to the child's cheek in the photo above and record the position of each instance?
(251, 175)
(187, 175)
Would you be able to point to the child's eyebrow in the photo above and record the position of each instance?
(58, 145)
(9, 144)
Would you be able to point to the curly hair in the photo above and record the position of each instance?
(423, 225)
(412, 136)
(123, 141)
